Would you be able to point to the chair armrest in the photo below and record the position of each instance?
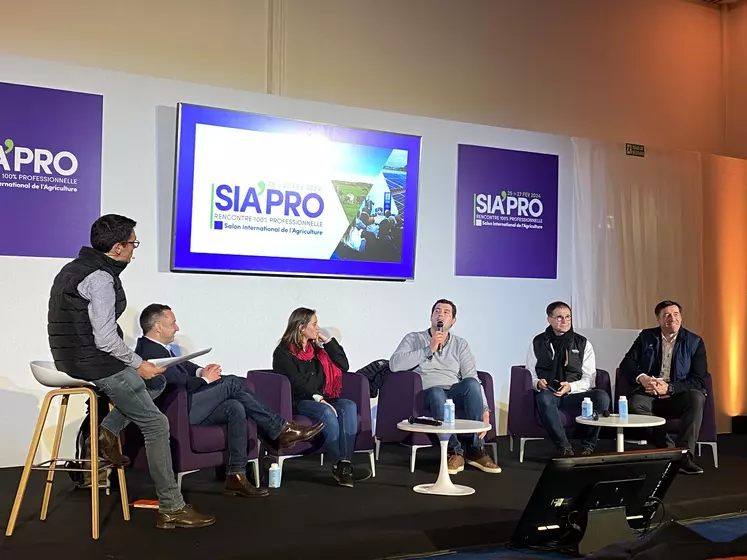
(355, 388)
(399, 398)
(173, 402)
(487, 383)
(521, 402)
(274, 389)
(602, 381)
(708, 428)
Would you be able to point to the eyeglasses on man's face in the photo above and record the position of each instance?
(135, 244)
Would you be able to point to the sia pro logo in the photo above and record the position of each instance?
(37, 161)
(265, 202)
(509, 206)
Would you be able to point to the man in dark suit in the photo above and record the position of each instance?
(216, 399)
(668, 366)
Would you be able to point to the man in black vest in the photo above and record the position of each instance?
(563, 368)
(216, 399)
(668, 366)
(85, 302)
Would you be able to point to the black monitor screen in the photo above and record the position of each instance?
(572, 486)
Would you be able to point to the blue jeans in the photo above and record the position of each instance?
(134, 403)
(339, 431)
(548, 405)
(467, 397)
(229, 401)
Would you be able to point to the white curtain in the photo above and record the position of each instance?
(725, 281)
(637, 235)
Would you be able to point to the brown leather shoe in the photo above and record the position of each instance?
(238, 485)
(185, 518)
(294, 433)
(109, 448)
(455, 463)
(480, 460)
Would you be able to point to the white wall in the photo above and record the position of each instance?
(242, 317)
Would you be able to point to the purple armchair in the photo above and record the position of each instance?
(192, 447)
(707, 435)
(275, 390)
(401, 396)
(523, 420)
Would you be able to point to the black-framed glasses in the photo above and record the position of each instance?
(135, 244)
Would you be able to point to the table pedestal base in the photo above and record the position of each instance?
(443, 485)
(444, 489)
(620, 440)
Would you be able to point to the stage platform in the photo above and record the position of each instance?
(311, 517)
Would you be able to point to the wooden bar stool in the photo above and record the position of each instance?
(64, 386)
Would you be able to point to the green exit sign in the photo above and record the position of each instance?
(635, 150)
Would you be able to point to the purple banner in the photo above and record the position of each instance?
(507, 213)
(50, 170)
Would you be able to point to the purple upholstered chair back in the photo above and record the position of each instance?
(192, 447)
(274, 388)
(708, 430)
(523, 421)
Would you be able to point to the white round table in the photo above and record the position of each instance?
(614, 421)
(443, 485)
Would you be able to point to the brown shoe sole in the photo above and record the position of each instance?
(241, 494)
(180, 526)
(309, 435)
(483, 468)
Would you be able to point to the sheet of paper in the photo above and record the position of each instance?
(166, 362)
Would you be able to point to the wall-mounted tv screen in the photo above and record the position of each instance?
(256, 194)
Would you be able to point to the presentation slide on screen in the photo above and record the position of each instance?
(263, 194)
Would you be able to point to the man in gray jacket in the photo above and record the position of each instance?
(447, 367)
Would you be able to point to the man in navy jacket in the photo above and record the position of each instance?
(216, 399)
(668, 366)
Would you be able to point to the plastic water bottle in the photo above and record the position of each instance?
(449, 412)
(587, 408)
(274, 481)
(622, 407)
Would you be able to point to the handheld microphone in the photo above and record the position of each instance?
(440, 328)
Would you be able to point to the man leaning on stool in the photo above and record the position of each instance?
(85, 302)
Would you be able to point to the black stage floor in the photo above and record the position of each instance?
(311, 517)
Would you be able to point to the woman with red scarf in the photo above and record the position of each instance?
(314, 364)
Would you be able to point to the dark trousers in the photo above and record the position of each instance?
(686, 406)
(548, 406)
(229, 402)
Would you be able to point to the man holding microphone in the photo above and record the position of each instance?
(446, 365)
(85, 302)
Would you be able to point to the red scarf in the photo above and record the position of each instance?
(332, 374)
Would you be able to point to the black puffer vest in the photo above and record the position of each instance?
(68, 325)
(544, 354)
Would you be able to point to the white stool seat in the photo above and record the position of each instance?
(49, 376)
